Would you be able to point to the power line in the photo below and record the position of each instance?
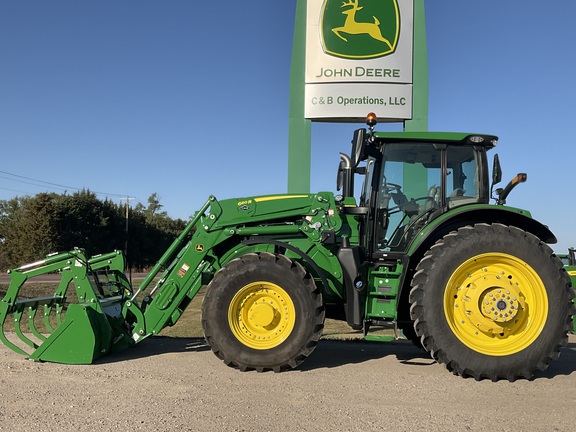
(53, 185)
(13, 190)
(30, 183)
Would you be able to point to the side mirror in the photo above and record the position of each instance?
(496, 177)
(496, 171)
(358, 147)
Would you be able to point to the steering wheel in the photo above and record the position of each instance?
(394, 191)
(392, 187)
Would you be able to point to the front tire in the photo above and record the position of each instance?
(262, 312)
(492, 301)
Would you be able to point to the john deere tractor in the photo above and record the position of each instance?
(411, 245)
(569, 261)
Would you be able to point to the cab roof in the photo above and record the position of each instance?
(454, 138)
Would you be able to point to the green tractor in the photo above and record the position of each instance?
(420, 251)
(569, 261)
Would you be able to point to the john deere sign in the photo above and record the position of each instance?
(359, 59)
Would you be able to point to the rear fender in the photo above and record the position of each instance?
(468, 215)
(471, 215)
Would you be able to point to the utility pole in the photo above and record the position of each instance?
(128, 199)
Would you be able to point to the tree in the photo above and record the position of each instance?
(91, 224)
(8, 215)
(28, 228)
(151, 233)
(32, 227)
(154, 207)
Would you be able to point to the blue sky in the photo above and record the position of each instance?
(186, 98)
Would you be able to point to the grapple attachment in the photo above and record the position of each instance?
(80, 322)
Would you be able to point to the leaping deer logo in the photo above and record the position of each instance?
(351, 26)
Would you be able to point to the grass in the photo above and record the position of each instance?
(189, 325)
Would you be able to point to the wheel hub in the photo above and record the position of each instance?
(499, 304)
(490, 302)
(261, 315)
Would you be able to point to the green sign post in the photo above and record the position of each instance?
(349, 58)
(300, 128)
(419, 121)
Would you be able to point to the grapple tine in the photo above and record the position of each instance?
(3, 315)
(59, 306)
(53, 310)
(59, 309)
(31, 315)
(47, 314)
(17, 320)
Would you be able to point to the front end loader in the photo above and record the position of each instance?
(420, 252)
(95, 310)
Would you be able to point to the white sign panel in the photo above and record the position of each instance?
(359, 59)
(354, 101)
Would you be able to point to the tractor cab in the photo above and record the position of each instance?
(412, 178)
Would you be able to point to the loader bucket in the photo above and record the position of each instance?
(83, 336)
(78, 322)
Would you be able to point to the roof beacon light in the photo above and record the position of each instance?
(371, 120)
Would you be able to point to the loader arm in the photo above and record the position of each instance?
(179, 283)
(190, 264)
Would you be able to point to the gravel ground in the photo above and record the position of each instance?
(167, 384)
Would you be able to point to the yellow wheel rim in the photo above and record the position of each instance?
(496, 304)
(261, 315)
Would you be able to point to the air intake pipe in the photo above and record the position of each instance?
(346, 176)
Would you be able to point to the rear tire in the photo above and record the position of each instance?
(492, 301)
(262, 312)
(410, 334)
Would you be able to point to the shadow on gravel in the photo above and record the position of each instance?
(331, 354)
(328, 353)
(156, 346)
(565, 365)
